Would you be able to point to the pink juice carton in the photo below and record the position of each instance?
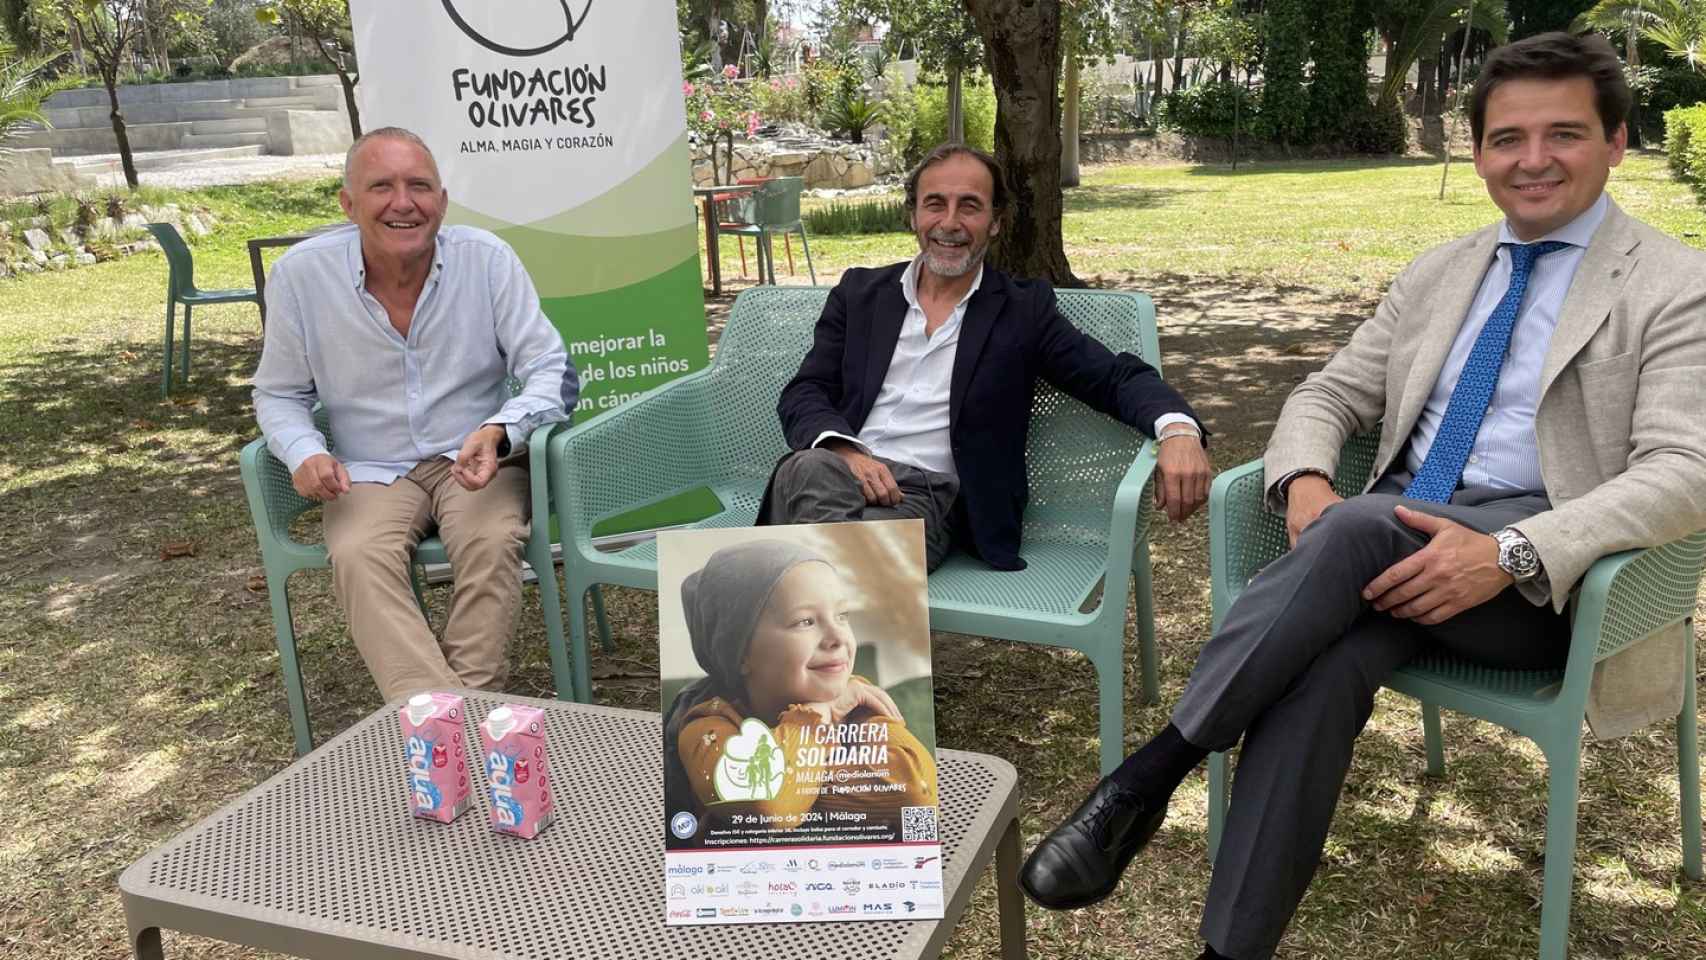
(437, 758)
(517, 772)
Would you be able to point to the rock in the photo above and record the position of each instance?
(5, 271)
(28, 266)
(37, 239)
(135, 221)
(84, 259)
(69, 237)
(196, 226)
(59, 261)
(104, 229)
(5, 228)
(38, 257)
(858, 175)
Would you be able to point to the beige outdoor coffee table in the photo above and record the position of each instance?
(324, 860)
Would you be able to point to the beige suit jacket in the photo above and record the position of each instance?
(1621, 422)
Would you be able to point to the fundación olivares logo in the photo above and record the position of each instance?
(518, 98)
(523, 25)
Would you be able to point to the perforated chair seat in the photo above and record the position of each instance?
(324, 860)
(717, 428)
(1624, 598)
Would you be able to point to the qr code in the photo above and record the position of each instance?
(917, 823)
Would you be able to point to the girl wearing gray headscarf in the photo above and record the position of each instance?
(769, 626)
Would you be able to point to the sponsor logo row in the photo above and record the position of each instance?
(806, 865)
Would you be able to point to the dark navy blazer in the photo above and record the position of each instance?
(1011, 334)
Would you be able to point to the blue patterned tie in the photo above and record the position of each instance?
(1443, 466)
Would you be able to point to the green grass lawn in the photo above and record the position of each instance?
(139, 689)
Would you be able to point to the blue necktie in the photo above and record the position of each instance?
(1443, 466)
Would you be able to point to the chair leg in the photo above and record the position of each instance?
(807, 247)
(184, 368)
(740, 242)
(580, 682)
(1218, 791)
(1564, 761)
(1431, 739)
(166, 365)
(1688, 767)
(788, 247)
(605, 642)
(551, 605)
(1147, 655)
(420, 597)
(289, 670)
(1110, 708)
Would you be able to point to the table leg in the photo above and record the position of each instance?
(1010, 901)
(712, 255)
(260, 279)
(146, 943)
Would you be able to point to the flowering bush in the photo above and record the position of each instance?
(717, 109)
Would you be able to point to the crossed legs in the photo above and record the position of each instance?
(1293, 672)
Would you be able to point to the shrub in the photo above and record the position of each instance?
(1685, 146)
(1379, 130)
(1208, 109)
(880, 216)
(781, 100)
(851, 116)
(929, 116)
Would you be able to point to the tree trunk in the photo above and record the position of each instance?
(110, 78)
(1179, 51)
(1069, 125)
(956, 105)
(1425, 86)
(344, 80)
(713, 23)
(1022, 40)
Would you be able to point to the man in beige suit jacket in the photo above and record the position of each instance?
(1539, 388)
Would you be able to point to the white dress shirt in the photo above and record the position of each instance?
(1506, 454)
(908, 422)
(394, 401)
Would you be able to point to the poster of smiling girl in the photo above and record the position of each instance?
(799, 732)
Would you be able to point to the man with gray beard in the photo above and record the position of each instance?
(915, 398)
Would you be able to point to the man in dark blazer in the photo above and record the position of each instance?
(915, 398)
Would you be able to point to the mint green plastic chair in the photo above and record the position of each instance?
(1624, 597)
(274, 504)
(181, 288)
(717, 428)
(774, 208)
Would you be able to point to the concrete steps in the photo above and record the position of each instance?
(205, 141)
(239, 125)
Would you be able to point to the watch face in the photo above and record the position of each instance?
(1518, 557)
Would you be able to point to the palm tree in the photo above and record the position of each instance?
(1678, 26)
(20, 94)
(1417, 27)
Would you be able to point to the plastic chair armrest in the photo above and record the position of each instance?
(274, 504)
(1626, 596)
(1130, 516)
(1242, 533)
(624, 456)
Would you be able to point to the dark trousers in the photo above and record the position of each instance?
(1293, 671)
(817, 486)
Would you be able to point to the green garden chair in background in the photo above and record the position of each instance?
(181, 288)
(274, 504)
(717, 429)
(1624, 598)
(775, 208)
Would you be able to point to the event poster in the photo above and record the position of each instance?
(800, 779)
(560, 127)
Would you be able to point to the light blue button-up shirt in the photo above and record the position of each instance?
(394, 402)
(1506, 454)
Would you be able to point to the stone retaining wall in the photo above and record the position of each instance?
(835, 166)
(33, 245)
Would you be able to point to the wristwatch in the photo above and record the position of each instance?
(1517, 555)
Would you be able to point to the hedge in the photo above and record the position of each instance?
(1685, 146)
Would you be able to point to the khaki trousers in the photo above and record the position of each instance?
(371, 533)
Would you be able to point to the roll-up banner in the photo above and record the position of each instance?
(559, 126)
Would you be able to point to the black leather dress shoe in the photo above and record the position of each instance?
(1082, 860)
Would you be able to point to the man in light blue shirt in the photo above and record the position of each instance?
(409, 333)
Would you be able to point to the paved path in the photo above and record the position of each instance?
(210, 173)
